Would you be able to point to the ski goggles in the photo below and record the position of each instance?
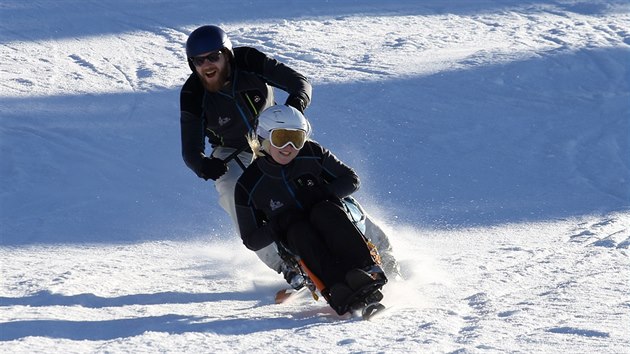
(280, 138)
(212, 58)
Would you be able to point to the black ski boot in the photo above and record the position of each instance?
(293, 275)
(372, 276)
(337, 297)
(366, 287)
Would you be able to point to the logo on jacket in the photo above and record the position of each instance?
(275, 205)
(305, 181)
(224, 120)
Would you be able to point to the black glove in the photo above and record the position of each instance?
(280, 224)
(311, 195)
(212, 168)
(296, 102)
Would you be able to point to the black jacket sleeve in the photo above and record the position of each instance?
(342, 179)
(275, 73)
(192, 124)
(254, 231)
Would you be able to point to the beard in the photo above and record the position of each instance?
(216, 82)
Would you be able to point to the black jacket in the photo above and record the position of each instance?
(225, 117)
(267, 189)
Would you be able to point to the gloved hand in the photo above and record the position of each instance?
(212, 168)
(295, 102)
(311, 195)
(280, 224)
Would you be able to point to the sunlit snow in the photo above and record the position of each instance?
(492, 139)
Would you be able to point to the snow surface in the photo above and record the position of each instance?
(492, 138)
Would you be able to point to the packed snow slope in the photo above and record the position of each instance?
(492, 139)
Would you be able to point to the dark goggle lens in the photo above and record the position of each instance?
(283, 137)
(212, 57)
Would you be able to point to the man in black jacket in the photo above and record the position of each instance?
(221, 101)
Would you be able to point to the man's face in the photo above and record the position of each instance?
(213, 69)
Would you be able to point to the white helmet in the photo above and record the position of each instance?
(281, 117)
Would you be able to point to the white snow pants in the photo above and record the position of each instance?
(225, 186)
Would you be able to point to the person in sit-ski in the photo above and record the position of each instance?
(290, 194)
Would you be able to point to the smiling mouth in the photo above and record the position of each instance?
(210, 74)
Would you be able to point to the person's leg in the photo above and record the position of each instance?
(341, 236)
(269, 255)
(225, 186)
(362, 277)
(380, 239)
(304, 241)
(375, 234)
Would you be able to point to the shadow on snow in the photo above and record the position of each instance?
(124, 328)
(129, 327)
(530, 140)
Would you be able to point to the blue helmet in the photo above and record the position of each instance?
(207, 39)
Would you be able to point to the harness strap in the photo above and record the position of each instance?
(234, 156)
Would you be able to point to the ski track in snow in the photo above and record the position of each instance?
(466, 290)
(395, 46)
